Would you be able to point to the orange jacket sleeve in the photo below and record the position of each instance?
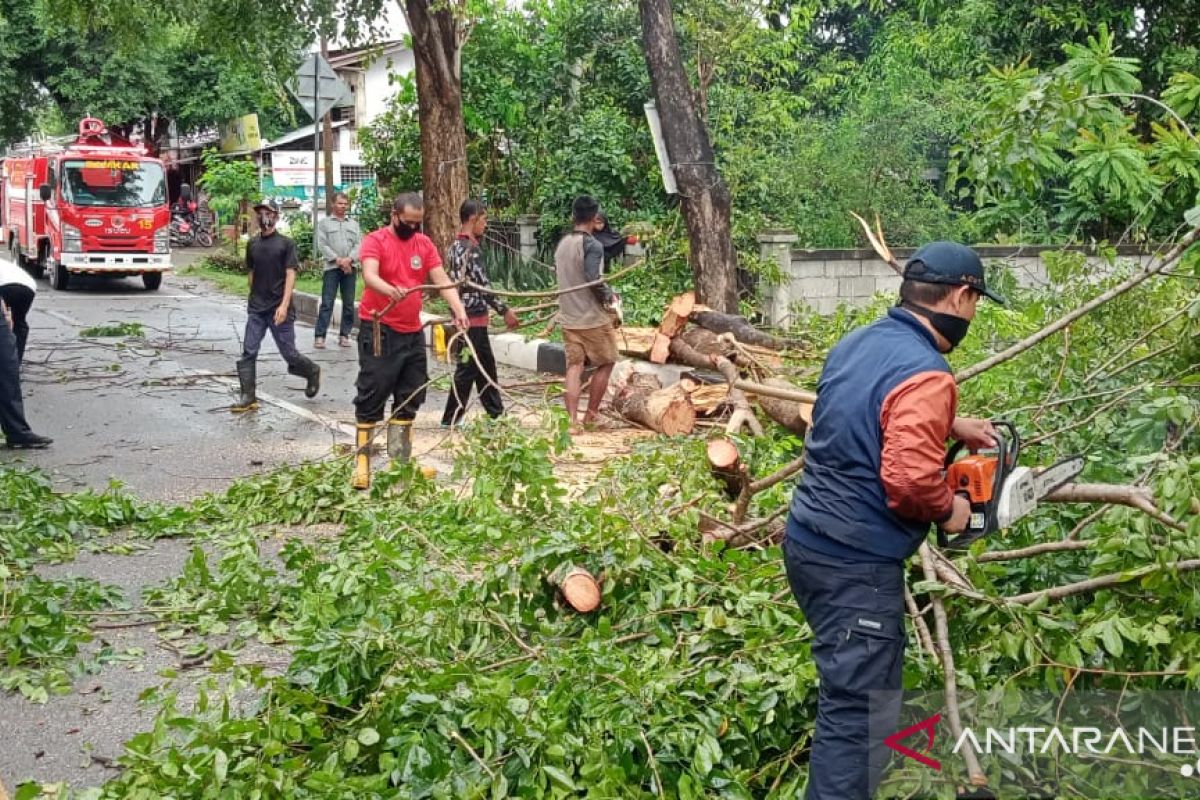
(916, 418)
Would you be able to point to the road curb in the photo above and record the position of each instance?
(513, 349)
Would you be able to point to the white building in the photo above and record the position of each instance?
(368, 72)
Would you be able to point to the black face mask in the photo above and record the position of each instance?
(404, 231)
(952, 328)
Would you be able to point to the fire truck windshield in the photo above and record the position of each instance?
(113, 182)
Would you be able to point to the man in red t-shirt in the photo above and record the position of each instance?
(395, 260)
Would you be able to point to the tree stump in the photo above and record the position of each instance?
(579, 589)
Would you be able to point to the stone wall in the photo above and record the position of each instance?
(823, 280)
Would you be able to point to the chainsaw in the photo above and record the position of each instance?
(1000, 492)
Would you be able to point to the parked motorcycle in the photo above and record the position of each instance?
(202, 227)
(183, 231)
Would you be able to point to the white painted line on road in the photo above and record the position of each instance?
(61, 317)
(300, 411)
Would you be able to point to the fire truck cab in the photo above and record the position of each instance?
(96, 206)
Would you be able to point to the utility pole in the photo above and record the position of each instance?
(328, 143)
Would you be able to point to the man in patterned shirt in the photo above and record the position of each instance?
(464, 262)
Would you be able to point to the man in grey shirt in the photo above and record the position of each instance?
(338, 239)
(589, 336)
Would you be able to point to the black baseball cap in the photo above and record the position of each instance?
(952, 263)
(269, 205)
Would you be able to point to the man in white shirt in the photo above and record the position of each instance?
(17, 288)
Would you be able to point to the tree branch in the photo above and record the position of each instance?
(1103, 582)
(1124, 286)
(942, 626)
(1034, 550)
(1138, 497)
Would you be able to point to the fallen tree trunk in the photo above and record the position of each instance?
(674, 320)
(579, 589)
(794, 415)
(682, 352)
(742, 330)
(642, 400)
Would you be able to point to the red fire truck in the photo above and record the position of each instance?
(94, 206)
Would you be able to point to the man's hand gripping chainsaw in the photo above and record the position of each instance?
(1000, 492)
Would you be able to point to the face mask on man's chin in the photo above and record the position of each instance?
(952, 327)
(266, 221)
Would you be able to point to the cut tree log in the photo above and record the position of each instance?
(635, 342)
(579, 589)
(643, 401)
(674, 320)
(794, 415)
(742, 330)
(726, 464)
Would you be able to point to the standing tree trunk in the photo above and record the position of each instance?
(704, 196)
(438, 31)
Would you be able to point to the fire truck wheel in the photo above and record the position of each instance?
(152, 280)
(38, 265)
(59, 277)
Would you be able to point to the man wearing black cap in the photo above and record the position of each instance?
(871, 487)
(272, 263)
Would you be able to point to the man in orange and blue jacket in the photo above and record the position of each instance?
(871, 487)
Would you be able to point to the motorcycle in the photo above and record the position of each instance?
(183, 231)
(202, 228)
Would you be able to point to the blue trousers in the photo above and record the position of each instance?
(257, 325)
(332, 281)
(856, 612)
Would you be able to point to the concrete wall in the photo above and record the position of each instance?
(822, 280)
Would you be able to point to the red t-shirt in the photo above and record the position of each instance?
(401, 263)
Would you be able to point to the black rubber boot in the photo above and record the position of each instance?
(308, 369)
(247, 372)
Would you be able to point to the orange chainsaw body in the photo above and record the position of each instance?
(974, 476)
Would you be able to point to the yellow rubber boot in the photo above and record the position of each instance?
(399, 440)
(362, 455)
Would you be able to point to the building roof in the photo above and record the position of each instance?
(298, 134)
(352, 57)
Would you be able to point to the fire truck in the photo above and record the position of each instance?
(97, 205)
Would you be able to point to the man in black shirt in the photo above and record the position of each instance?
(272, 263)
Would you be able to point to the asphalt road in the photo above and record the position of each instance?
(153, 410)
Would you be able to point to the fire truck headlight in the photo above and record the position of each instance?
(72, 239)
(162, 240)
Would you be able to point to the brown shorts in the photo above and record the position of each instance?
(595, 346)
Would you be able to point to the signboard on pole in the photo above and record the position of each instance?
(241, 135)
(660, 149)
(317, 88)
(295, 167)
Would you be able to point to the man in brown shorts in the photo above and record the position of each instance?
(585, 314)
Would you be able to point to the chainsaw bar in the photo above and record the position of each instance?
(1024, 488)
(1057, 475)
